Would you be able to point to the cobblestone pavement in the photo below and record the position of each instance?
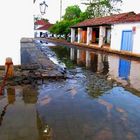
(33, 58)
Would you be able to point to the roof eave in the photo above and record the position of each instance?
(91, 26)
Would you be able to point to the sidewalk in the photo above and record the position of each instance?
(34, 60)
(125, 54)
(34, 66)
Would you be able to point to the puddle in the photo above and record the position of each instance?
(89, 105)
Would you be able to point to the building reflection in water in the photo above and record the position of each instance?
(124, 69)
(72, 55)
(121, 70)
(81, 57)
(95, 62)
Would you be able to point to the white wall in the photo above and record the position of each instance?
(16, 22)
(116, 36)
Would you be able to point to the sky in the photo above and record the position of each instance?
(53, 9)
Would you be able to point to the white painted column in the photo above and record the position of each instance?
(13, 29)
(109, 36)
(88, 59)
(101, 35)
(89, 35)
(79, 35)
(72, 35)
(72, 53)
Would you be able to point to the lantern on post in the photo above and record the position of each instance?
(43, 6)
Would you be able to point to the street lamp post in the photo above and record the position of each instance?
(60, 9)
(43, 6)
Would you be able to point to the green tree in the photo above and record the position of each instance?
(72, 16)
(99, 8)
(72, 12)
(61, 28)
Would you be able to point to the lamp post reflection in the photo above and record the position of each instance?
(11, 99)
(11, 95)
(45, 132)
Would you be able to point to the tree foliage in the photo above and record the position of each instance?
(99, 8)
(61, 28)
(72, 16)
(72, 12)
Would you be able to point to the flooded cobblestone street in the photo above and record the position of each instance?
(99, 100)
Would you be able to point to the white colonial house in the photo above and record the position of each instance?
(117, 32)
(41, 28)
(125, 35)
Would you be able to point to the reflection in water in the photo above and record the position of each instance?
(104, 134)
(95, 62)
(121, 70)
(3, 113)
(11, 100)
(108, 106)
(45, 132)
(18, 114)
(112, 116)
(124, 69)
(44, 101)
(63, 110)
(11, 95)
(29, 95)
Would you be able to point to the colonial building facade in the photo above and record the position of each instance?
(117, 32)
(41, 28)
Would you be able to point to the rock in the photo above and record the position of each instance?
(44, 75)
(115, 84)
(26, 81)
(109, 78)
(26, 40)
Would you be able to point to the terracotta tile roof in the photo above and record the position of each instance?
(40, 22)
(45, 27)
(134, 18)
(108, 20)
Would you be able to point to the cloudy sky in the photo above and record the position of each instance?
(53, 10)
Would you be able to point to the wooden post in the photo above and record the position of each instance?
(9, 68)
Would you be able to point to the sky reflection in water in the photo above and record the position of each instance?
(86, 106)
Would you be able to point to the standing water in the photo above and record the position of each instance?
(92, 104)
